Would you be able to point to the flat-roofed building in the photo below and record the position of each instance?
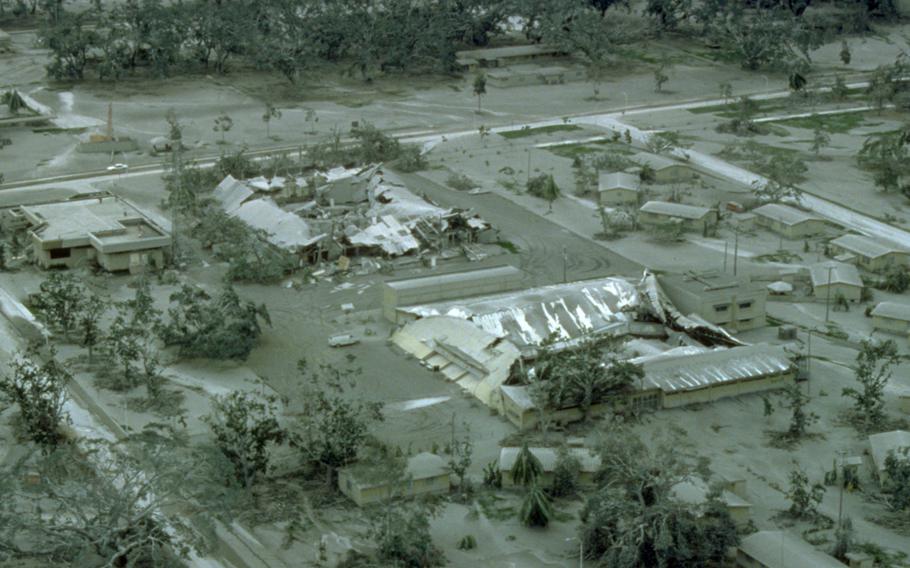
(873, 255)
(618, 188)
(424, 473)
(831, 278)
(891, 317)
(501, 56)
(721, 299)
(438, 287)
(789, 221)
(107, 230)
(691, 217)
(781, 549)
(666, 170)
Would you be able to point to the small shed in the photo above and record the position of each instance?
(666, 170)
(618, 188)
(781, 549)
(831, 278)
(884, 443)
(871, 254)
(424, 473)
(692, 217)
(589, 463)
(788, 221)
(891, 317)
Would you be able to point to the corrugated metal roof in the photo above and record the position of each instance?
(231, 194)
(865, 246)
(841, 273)
(467, 276)
(675, 371)
(530, 316)
(618, 180)
(893, 310)
(784, 214)
(285, 230)
(675, 209)
(388, 234)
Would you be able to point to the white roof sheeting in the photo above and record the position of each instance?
(695, 492)
(780, 287)
(689, 369)
(529, 317)
(865, 246)
(675, 209)
(897, 441)
(388, 234)
(841, 273)
(618, 180)
(892, 310)
(784, 214)
(780, 549)
(285, 230)
(231, 193)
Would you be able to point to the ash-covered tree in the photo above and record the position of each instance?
(804, 497)
(536, 509)
(566, 473)
(820, 140)
(39, 390)
(402, 537)
(267, 116)
(480, 87)
(333, 425)
(219, 327)
(631, 519)
(60, 301)
(768, 37)
(875, 364)
(461, 456)
(245, 427)
(795, 400)
(90, 323)
(897, 279)
(527, 467)
(544, 187)
(887, 157)
(99, 504)
(897, 480)
(223, 125)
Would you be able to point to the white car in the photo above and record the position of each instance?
(343, 340)
(117, 167)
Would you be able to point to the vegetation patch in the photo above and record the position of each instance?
(839, 123)
(525, 132)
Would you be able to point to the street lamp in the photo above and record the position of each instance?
(581, 550)
(828, 295)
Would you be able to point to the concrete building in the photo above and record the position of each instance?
(691, 217)
(106, 230)
(588, 460)
(721, 299)
(618, 188)
(831, 278)
(695, 492)
(666, 170)
(788, 221)
(425, 473)
(895, 441)
(438, 287)
(870, 254)
(780, 549)
(891, 317)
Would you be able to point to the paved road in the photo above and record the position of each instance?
(540, 240)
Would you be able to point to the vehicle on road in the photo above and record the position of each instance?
(117, 167)
(342, 340)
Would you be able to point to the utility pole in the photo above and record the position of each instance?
(565, 264)
(726, 246)
(840, 504)
(809, 364)
(528, 182)
(736, 252)
(828, 295)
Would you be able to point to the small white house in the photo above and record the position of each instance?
(891, 317)
(618, 188)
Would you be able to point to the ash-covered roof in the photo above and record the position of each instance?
(865, 246)
(892, 310)
(897, 441)
(675, 209)
(285, 230)
(231, 193)
(387, 234)
(841, 273)
(675, 370)
(618, 180)
(784, 214)
(780, 549)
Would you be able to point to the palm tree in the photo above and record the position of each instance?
(527, 467)
(536, 510)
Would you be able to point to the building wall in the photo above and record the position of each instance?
(852, 293)
(710, 394)
(618, 197)
(739, 310)
(877, 264)
(367, 495)
(797, 231)
(890, 325)
(77, 257)
(134, 262)
(673, 174)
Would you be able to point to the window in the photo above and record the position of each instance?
(745, 305)
(721, 307)
(61, 253)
